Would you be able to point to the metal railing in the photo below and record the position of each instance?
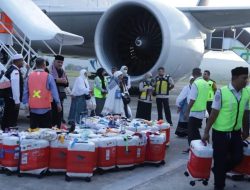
(239, 34)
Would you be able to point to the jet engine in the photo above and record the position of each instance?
(145, 35)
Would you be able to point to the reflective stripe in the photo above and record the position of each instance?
(211, 91)
(39, 95)
(144, 94)
(162, 86)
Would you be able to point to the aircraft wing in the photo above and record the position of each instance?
(35, 24)
(220, 17)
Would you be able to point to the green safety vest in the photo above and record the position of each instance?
(211, 91)
(248, 90)
(98, 92)
(232, 111)
(200, 103)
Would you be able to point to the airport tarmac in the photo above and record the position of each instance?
(167, 177)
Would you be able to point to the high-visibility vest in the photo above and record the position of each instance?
(248, 90)
(144, 94)
(7, 23)
(200, 103)
(211, 91)
(232, 111)
(39, 95)
(98, 92)
(162, 85)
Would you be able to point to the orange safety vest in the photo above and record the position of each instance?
(39, 95)
(7, 22)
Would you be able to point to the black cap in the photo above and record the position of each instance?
(59, 57)
(239, 71)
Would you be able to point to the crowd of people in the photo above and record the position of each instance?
(43, 91)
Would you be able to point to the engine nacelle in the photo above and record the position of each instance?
(146, 35)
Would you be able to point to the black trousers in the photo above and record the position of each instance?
(57, 117)
(193, 129)
(228, 152)
(163, 102)
(182, 129)
(144, 110)
(40, 120)
(10, 114)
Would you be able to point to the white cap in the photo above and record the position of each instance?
(117, 74)
(17, 56)
(191, 77)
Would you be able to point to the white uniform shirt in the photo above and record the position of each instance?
(184, 94)
(193, 96)
(217, 99)
(15, 85)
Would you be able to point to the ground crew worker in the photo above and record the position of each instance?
(212, 90)
(100, 90)
(13, 94)
(163, 84)
(229, 122)
(144, 106)
(62, 83)
(39, 94)
(197, 106)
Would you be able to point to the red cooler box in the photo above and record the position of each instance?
(11, 152)
(58, 155)
(200, 160)
(34, 156)
(141, 149)
(80, 159)
(156, 148)
(126, 151)
(244, 166)
(2, 135)
(106, 153)
(165, 128)
(95, 140)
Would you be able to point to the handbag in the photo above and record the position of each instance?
(126, 98)
(87, 96)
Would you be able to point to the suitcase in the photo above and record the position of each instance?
(58, 155)
(34, 157)
(200, 161)
(141, 148)
(80, 160)
(244, 166)
(106, 153)
(11, 151)
(156, 148)
(126, 151)
(164, 128)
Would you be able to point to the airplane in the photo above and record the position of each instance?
(142, 34)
